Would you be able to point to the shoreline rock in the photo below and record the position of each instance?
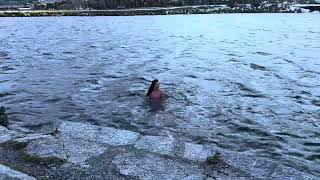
(8, 173)
(3, 117)
(93, 151)
(7, 135)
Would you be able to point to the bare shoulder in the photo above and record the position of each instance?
(163, 95)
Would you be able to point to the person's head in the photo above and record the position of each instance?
(154, 85)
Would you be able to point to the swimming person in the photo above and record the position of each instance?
(154, 91)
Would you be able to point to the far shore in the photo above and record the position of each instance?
(136, 12)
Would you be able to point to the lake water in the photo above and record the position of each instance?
(245, 82)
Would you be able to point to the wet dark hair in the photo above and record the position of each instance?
(152, 86)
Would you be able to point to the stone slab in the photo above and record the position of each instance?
(150, 166)
(7, 135)
(104, 135)
(7, 173)
(197, 152)
(156, 144)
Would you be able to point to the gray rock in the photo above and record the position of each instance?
(3, 117)
(151, 166)
(77, 142)
(71, 150)
(197, 152)
(144, 158)
(8, 173)
(79, 151)
(7, 135)
(262, 168)
(156, 144)
(97, 134)
(255, 167)
(82, 141)
(287, 173)
(32, 137)
(46, 147)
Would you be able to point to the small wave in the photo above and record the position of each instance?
(252, 130)
(296, 154)
(77, 67)
(191, 76)
(258, 67)
(313, 32)
(6, 68)
(297, 97)
(262, 53)
(313, 72)
(3, 54)
(233, 60)
(210, 79)
(245, 88)
(53, 100)
(254, 95)
(305, 92)
(143, 79)
(112, 76)
(5, 94)
(289, 134)
(230, 94)
(47, 54)
(130, 94)
(250, 92)
(316, 144)
(234, 55)
(307, 85)
(313, 157)
(316, 102)
(93, 81)
(67, 52)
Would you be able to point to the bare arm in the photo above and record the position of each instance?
(163, 96)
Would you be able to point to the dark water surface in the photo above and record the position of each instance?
(245, 82)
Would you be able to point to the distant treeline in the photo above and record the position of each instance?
(125, 4)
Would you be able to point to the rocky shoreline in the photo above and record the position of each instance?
(135, 12)
(83, 151)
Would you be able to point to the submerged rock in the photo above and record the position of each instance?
(8, 173)
(3, 117)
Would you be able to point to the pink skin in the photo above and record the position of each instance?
(156, 93)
